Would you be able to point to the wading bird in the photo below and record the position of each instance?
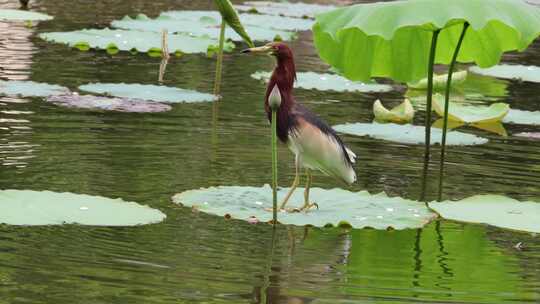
(314, 143)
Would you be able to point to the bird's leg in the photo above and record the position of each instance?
(294, 184)
(307, 204)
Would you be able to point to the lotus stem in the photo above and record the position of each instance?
(446, 105)
(217, 82)
(268, 269)
(164, 55)
(274, 166)
(429, 96)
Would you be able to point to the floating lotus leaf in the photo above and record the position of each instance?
(125, 40)
(506, 71)
(299, 10)
(108, 103)
(471, 114)
(183, 22)
(26, 207)
(30, 88)
(147, 92)
(533, 135)
(21, 15)
(495, 210)
(439, 81)
(256, 20)
(522, 117)
(403, 113)
(492, 127)
(328, 82)
(408, 134)
(359, 209)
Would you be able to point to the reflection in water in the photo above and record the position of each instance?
(196, 258)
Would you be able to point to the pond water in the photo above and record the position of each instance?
(196, 258)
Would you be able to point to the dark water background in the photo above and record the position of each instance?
(195, 258)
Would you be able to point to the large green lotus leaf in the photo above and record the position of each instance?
(203, 27)
(284, 8)
(393, 39)
(495, 210)
(328, 82)
(471, 114)
(359, 209)
(147, 92)
(257, 20)
(439, 81)
(108, 103)
(30, 88)
(126, 40)
(20, 15)
(26, 207)
(230, 16)
(408, 134)
(522, 117)
(506, 71)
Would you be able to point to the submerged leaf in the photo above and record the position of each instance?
(327, 82)
(26, 207)
(125, 40)
(403, 113)
(148, 92)
(108, 103)
(495, 210)
(229, 15)
(359, 209)
(439, 81)
(30, 88)
(506, 71)
(408, 134)
(22, 15)
(284, 8)
(522, 117)
(191, 23)
(471, 114)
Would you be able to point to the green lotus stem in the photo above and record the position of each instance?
(217, 82)
(446, 105)
(274, 166)
(429, 96)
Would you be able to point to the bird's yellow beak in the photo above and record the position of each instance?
(265, 49)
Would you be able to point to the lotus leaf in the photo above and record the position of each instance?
(359, 209)
(439, 81)
(495, 210)
(299, 10)
(148, 92)
(533, 135)
(21, 15)
(125, 40)
(328, 82)
(506, 71)
(393, 39)
(205, 27)
(407, 134)
(230, 17)
(26, 207)
(471, 114)
(108, 103)
(30, 88)
(256, 20)
(522, 117)
(403, 113)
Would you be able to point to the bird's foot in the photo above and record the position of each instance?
(306, 207)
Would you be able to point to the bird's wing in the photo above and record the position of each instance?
(320, 147)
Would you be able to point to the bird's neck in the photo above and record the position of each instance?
(283, 76)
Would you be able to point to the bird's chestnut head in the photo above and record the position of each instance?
(277, 49)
